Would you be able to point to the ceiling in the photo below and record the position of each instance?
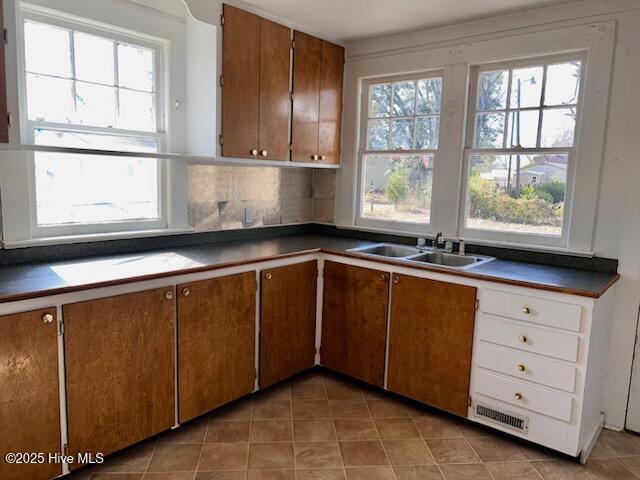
(352, 19)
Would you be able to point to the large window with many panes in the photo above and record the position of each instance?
(400, 134)
(521, 139)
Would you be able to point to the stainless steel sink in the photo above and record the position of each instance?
(424, 256)
(388, 250)
(450, 259)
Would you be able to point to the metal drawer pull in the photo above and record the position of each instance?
(517, 396)
(526, 310)
(168, 295)
(523, 338)
(521, 368)
(268, 276)
(47, 318)
(254, 152)
(186, 292)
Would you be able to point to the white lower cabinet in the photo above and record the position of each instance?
(537, 366)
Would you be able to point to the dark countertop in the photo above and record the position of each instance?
(23, 281)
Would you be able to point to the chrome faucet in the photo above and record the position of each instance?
(438, 241)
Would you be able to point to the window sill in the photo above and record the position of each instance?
(98, 237)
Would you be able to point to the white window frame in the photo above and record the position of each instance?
(29, 12)
(470, 150)
(386, 224)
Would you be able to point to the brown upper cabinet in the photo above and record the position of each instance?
(431, 327)
(29, 397)
(4, 111)
(255, 86)
(354, 321)
(120, 370)
(317, 100)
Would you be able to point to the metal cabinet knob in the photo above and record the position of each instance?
(523, 338)
(263, 153)
(254, 152)
(47, 318)
(168, 295)
(396, 279)
(186, 292)
(526, 310)
(322, 158)
(521, 368)
(268, 276)
(517, 396)
(314, 157)
(383, 276)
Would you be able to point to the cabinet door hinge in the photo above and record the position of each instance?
(9, 119)
(255, 373)
(5, 36)
(221, 81)
(291, 96)
(290, 147)
(477, 304)
(220, 139)
(293, 44)
(469, 400)
(60, 327)
(222, 20)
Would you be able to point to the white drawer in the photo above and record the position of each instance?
(525, 395)
(526, 367)
(528, 337)
(531, 309)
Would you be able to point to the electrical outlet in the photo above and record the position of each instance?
(248, 215)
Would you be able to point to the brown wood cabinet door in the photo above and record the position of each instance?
(288, 321)
(4, 113)
(354, 321)
(241, 88)
(29, 398)
(307, 62)
(430, 341)
(275, 104)
(216, 342)
(119, 356)
(330, 103)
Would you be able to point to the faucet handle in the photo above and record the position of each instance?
(422, 242)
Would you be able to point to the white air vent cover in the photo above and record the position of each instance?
(502, 417)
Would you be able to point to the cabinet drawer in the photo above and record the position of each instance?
(525, 395)
(526, 367)
(529, 338)
(531, 309)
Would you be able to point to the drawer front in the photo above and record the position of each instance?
(530, 309)
(529, 338)
(526, 367)
(525, 395)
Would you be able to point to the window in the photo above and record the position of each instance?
(91, 87)
(523, 118)
(400, 134)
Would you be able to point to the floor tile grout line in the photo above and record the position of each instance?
(375, 425)
(204, 441)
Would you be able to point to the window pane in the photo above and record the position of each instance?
(380, 100)
(526, 87)
(94, 58)
(47, 49)
(427, 132)
(404, 96)
(558, 127)
(95, 141)
(517, 193)
(563, 83)
(137, 111)
(523, 128)
(78, 189)
(96, 104)
(398, 187)
(135, 67)
(489, 130)
(492, 90)
(429, 96)
(402, 134)
(50, 99)
(378, 135)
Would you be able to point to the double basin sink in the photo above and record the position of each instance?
(423, 256)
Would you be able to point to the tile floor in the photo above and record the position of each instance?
(322, 427)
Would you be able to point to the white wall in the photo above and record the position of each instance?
(617, 225)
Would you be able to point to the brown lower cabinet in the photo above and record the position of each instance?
(430, 341)
(29, 397)
(354, 321)
(216, 342)
(288, 321)
(119, 355)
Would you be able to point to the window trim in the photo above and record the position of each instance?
(387, 224)
(159, 47)
(562, 240)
